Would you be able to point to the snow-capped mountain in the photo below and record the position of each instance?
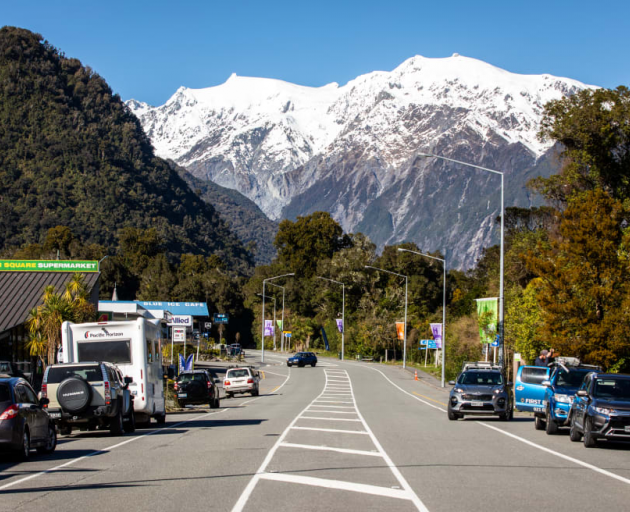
(354, 150)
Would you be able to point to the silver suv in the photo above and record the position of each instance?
(89, 396)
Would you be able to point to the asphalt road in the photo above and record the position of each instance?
(340, 436)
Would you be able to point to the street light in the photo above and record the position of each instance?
(343, 311)
(443, 301)
(262, 357)
(405, 326)
(281, 337)
(501, 287)
(274, 318)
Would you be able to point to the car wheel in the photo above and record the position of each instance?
(116, 427)
(160, 419)
(25, 450)
(551, 426)
(130, 424)
(313, 365)
(589, 440)
(229, 395)
(453, 416)
(288, 365)
(51, 441)
(217, 403)
(539, 423)
(574, 434)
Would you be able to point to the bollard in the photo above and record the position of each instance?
(416, 375)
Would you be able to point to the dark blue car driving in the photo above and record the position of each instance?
(302, 359)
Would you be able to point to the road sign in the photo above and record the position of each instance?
(208, 325)
(205, 334)
(179, 333)
(287, 334)
(221, 318)
(424, 342)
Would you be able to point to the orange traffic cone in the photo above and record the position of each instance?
(416, 376)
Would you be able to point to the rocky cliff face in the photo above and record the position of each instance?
(355, 150)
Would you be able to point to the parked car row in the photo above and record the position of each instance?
(592, 404)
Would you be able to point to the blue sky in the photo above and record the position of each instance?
(146, 50)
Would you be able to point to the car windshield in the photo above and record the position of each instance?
(189, 377)
(481, 378)
(237, 373)
(570, 379)
(59, 373)
(613, 389)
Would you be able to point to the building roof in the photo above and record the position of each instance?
(22, 291)
(176, 308)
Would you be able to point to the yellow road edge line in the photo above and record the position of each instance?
(428, 398)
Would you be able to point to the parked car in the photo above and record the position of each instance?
(480, 389)
(241, 380)
(89, 396)
(302, 359)
(197, 387)
(24, 422)
(548, 392)
(601, 409)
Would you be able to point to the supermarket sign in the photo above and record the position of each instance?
(48, 266)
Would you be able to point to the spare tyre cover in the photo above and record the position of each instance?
(74, 394)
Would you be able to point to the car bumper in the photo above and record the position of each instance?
(10, 435)
(92, 413)
(481, 408)
(611, 427)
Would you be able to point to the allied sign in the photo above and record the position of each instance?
(181, 321)
(179, 334)
(48, 266)
(221, 318)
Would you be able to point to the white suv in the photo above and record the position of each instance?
(241, 380)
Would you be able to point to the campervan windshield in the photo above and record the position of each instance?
(117, 352)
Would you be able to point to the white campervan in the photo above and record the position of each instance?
(133, 346)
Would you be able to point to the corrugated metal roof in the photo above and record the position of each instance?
(22, 291)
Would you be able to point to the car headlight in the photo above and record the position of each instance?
(497, 391)
(604, 410)
(564, 399)
(458, 390)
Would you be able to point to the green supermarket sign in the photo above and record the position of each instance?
(48, 266)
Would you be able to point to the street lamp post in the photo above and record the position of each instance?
(343, 312)
(443, 301)
(282, 333)
(405, 326)
(262, 340)
(501, 272)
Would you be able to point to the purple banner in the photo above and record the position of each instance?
(436, 329)
(340, 324)
(268, 327)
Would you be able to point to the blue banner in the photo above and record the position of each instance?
(325, 339)
(189, 363)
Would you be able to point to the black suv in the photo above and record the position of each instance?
(197, 387)
(482, 390)
(89, 395)
(601, 409)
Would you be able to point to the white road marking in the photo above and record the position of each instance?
(521, 439)
(273, 373)
(319, 411)
(360, 432)
(331, 402)
(329, 449)
(333, 406)
(327, 419)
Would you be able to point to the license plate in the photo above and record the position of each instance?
(182, 395)
(477, 404)
(627, 428)
(56, 415)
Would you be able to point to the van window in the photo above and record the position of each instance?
(149, 350)
(533, 375)
(237, 373)
(117, 352)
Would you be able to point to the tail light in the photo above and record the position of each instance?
(209, 384)
(108, 394)
(10, 412)
(226, 383)
(250, 381)
(175, 386)
(44, 391)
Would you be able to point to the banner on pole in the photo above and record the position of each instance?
(325, 339)
(340, 324)
(268, 327)
(400, 330)
(436, 329)
(188, 367)
(487, 312)
(279, 324)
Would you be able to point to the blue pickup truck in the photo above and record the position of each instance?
(548, 392)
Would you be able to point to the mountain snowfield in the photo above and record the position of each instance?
(353, 149)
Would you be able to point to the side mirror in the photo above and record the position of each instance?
(43, 402)
(546, 383)
(451, 382)
(128, 380)
(582, 393)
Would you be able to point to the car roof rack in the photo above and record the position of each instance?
(573, 362)
(479, 365)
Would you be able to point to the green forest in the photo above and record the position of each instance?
(78, 179)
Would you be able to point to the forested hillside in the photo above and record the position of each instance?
(72, 154)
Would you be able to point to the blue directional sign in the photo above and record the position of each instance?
(221, 318)
(432, 344)
(495, 343)
(424, 342)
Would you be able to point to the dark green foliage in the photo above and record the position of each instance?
(71, 154)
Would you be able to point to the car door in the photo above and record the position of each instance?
(530, 392)
(581, 403)
(40, 416)
(28, 411)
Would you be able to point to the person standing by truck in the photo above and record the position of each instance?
(545, 358)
